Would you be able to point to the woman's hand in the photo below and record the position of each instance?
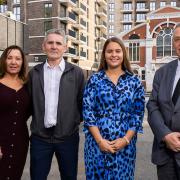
(1, 154)
(106, 146)
(118, 144)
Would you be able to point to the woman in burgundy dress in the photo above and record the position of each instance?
(14, 112)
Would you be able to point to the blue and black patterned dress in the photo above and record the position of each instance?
(114, 109)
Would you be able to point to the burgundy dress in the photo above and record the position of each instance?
(14, 137)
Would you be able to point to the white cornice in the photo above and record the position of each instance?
(31, 37)
(36, 54)
(157, 10)
(36, 19)
(29, 2)
(163, 16)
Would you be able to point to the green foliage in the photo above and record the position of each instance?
(3, 2)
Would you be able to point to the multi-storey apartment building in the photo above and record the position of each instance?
(84, 21)
(149, 44)
(15, 9)
(12, 30)
(141, 23)
(125, 14)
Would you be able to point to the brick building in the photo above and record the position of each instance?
(149, 44)
(126, 14)
(84, 21)
(12, 30)
(75, 17)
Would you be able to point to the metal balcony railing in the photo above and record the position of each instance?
(82, 6)
(83, 54)
(82, 38)
(72, 51)
(72, 33)
(72, 16)
(82, 22)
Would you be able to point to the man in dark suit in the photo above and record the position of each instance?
(164, 116)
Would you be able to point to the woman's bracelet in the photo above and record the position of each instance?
(126, 139)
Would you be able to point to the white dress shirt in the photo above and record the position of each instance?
(52, 77)
(177, 76)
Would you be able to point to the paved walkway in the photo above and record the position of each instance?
(144, 169)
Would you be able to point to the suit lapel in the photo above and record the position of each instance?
(170, 78)
(177, 106)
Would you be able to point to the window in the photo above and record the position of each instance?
(63, 26)
(173, 3)
(140, 17)
(127, 6)
(47, 26)
(143, 75)
(134, 51)
(48, 10)
(16, 12)
(134, 48)
(75, 46)
(162, 4)
(16, 1)
(111, 28)
(141, 5)
(127, 17)
(111, 17)
(3, 8)
(111, 7)
(152, 6)
(164, 43)
(62, 11)
(127, 27)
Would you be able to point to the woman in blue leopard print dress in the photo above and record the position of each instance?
(113, 109)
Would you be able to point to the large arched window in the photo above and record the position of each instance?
(134, 48)
(164, 42)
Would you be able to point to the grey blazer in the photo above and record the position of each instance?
(163, 116)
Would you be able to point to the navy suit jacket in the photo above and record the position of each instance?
(163, 115)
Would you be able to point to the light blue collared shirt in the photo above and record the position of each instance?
(52, 77)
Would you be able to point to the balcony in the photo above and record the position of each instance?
(14, 2)
(69, 17)
(129, 21)
(82, 39)
(80, 9)
(69, 3)
(140, 20)
(81, 25)
(82, 22)
(82, 55)
(99, 47)
(102, 2)
(142, 10)
(101, 37)
(102, 25)
(127, 10)
(101, 13)
(73, 36)
(71, 52)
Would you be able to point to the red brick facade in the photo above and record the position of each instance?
(149, 59)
